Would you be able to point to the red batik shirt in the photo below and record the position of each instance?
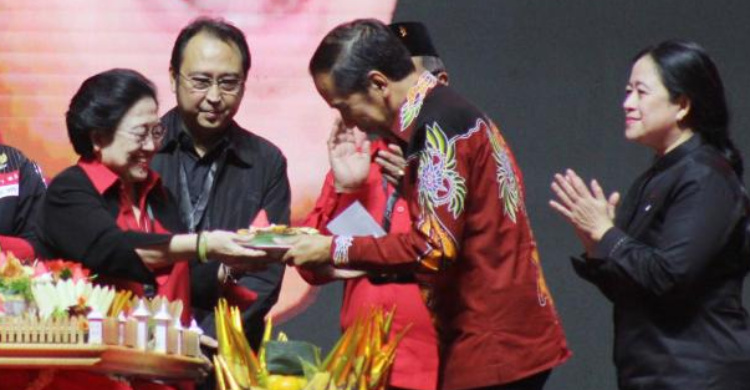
(496, 319)
(415, 366)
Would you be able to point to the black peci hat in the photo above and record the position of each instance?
(415, 37)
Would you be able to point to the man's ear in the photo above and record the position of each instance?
(379, 82)
(443, 77)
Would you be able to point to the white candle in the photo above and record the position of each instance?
(96, 330)
(141, 315)
(177, 328)
(162, 319)
(121, 328)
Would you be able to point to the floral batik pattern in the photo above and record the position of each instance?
(415, 99)
(510, 193)
(542, 290)
(508, 187)
(440, 185)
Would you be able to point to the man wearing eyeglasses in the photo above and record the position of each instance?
(222, 175)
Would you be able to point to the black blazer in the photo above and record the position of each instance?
(673, 267)
(79, 224)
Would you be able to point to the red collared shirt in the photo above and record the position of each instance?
(416, 363)
(496, 318)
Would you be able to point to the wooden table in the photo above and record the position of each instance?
(106, 359)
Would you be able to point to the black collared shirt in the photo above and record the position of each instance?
(197, 167)
(250, 177)
(673, 267)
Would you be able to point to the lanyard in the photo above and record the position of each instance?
(150, 225)
(194, 214)
(388, 213)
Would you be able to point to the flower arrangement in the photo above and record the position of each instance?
(15, 284)
(56, 288)
(53, 317)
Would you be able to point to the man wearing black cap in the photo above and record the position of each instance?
(416, 38)
(416, 362)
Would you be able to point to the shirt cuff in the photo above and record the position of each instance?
(610, 243)
(340, 246)
(585, 266)
(21, 248)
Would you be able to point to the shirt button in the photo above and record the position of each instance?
(400, 209)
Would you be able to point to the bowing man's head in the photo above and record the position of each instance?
(363, 70)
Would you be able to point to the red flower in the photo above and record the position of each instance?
(62, 270)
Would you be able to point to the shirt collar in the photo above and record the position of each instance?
(234, 143)
(676, 154)
(185, 140)
(104, 178)
(409, 112)
(238, 146)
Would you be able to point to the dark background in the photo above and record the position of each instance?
(552, 75)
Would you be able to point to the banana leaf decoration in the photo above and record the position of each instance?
(360, 360)
(228, 381)
(341, 370)
(240, 361)
(263, 372)
(339, 350)
(383, 361)
(221, 375)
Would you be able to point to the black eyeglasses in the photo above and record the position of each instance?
(227, 85)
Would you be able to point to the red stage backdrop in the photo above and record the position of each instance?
(48, 47)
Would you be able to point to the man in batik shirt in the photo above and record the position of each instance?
(496, 322)
(416, 364)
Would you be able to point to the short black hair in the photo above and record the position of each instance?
(351, 50)
(216, 27)
(101, 102)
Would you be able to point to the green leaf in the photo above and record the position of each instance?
(66, 274)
